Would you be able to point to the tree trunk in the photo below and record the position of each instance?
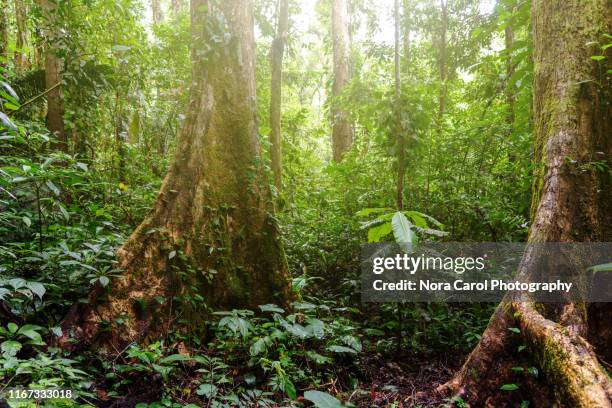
(211, 236)
(401, 165)
(570, 203)
(278, 48)
(156, 11)
(442, 61)
(509, 90)
(177, 6)
(342, 131)
(21, 37)
(4, 37)
(53, 72)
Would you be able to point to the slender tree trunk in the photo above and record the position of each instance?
(570, 203)
(342, 131)
(53, 76)
(156, 11)
(510, 66)
(442, 61)
(119, 136)
(4, 37)
(401, 143)
(406, 36)
(278, 48)
(211, 236)
(177, 6)
(21, 37)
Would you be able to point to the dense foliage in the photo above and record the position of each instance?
(64, 214)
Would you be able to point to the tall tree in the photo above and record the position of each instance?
(342, 131)
(510, 67)
(570, 203)
(177, 6)
(278, 48)
(401, 148)
(53, 74)
(156, 11)
(211, 235)
(3, 33)
(442, 59)
(21, 36)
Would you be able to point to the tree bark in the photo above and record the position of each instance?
(570, 203)
(211, 236)
(510, 66)
(278, 48)
(177, 6)
(342, 131)
(401, 143)
(53, 76)
(21, 37)
(156, 11)
(442, 57)
(4, 37)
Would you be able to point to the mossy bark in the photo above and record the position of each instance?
(571, 202)
(211, 236)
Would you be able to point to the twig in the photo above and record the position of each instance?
(26, 103)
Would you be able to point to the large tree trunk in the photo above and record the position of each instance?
(211, 236)
(342, 131)
(53, 76)
(278, 48)
(570, 203)
(21, 37)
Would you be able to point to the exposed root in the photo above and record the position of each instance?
(566, 359)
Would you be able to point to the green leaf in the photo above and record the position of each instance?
(12, 327)
(10, 347)
(342, 349)
(607, 267)
(258, 347)
(104, 281)
(37, 288)
(289, 389)
(173, 358)
(369, 211)
(598, 57)
(318, 358)
(322, 399)
(352, 342)
(207, 390)
(271, 308)
(514, 330)
(31, 332)
(26, 221)
(509, 387)
(402, 232)
(378, 232)
(53, 187)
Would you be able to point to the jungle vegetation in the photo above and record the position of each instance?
(185, 187)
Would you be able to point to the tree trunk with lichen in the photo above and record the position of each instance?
(571, 202)
(278, 48)
(211, 240)
(342, 130)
